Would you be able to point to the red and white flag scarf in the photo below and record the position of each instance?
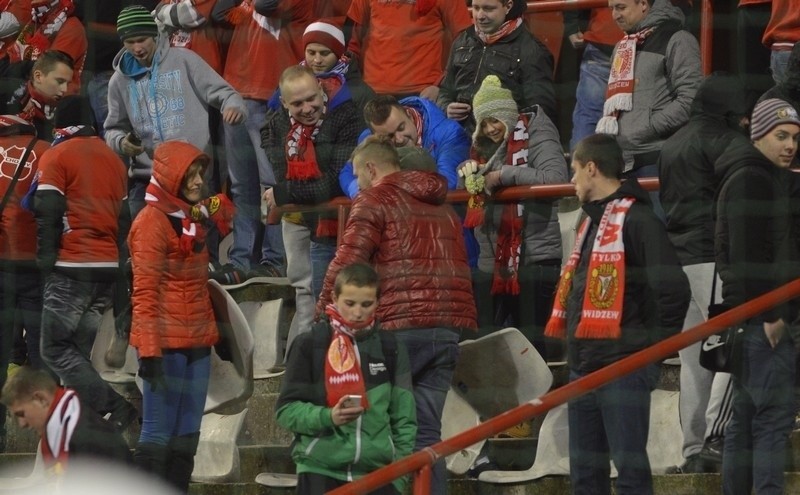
(504, 30)
(419, 122)
(65, 411)
(301, 159)
(619, 94)
(343, 374)
(605, 282)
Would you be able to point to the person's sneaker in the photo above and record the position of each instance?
(122, 417)
(692, 465)
(264, 270)
(712, 450)
(228, 275)
(482, 464)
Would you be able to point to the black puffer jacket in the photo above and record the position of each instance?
(656, 289)
(522, 62)
(757, 248)
(686, 166)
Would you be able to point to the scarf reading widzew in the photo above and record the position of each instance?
(619, 94)
(343, 374)
(509, 233)
(65, 412)
(605, 281)
(218, 209)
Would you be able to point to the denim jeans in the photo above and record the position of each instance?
(646, 171)
(763, 413)
(136, 193)
(97, 91)
(71, 314)
(612, 422)
(778, 61)
(433, 353)
(20, 303)
(176, 409)
(248, 170)
(590, 94)
(306, 265)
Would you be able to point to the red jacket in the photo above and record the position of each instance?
(17, 225)
(171, 305)
(402, 227)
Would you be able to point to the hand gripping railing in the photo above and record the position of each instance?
(420, 462)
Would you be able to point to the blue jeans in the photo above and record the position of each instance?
(612, 422)
(778, 61)
(433, 353)
(177, 408)
(248, 169)
(650, 171)
(20, 299)
(97, 91)
(71, 313)
(763, 413)
(590, 95)
(136, 193)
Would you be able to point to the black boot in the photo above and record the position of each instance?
(181, 460)
(152, 458)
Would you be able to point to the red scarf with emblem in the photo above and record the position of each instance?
(35, 38)
(343, 374)
(419, 122)
(36, 106)
(218, 209)
(619, 94)
(601, 314)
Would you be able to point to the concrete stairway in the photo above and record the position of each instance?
(265, 447)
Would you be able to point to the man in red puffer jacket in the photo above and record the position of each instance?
(401, 225)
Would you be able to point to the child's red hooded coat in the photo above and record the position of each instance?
(171, 305)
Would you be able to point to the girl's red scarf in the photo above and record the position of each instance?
(63, 417)
(507, 28)
(619, 94)
(509, 232)
(218, 209)
(605, 281)
(35, 38)
(301, 160)
(343, 374)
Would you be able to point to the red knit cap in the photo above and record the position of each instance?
(325, 34)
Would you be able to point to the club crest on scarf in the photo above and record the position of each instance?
(343, 375)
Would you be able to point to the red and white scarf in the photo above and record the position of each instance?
(35, 38)
(504, 30)
(419, 122)
(301, 160)
(218, 209)
(65, 411)
(343, 374)
(601, 314)
(36, 106)
(619, 94)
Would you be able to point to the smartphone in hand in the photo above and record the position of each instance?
(351, 401)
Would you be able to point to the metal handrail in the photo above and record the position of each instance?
(423, 459)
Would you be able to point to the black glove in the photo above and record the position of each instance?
(151, 370)
(224, 350)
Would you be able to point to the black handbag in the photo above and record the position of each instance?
(720, 352)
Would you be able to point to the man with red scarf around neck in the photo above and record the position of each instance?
(621, 290)
(69, 430)
(308, 143)
(498, 43)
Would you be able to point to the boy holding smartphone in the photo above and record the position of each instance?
(347, 392)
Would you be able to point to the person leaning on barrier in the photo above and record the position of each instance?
(622, 290)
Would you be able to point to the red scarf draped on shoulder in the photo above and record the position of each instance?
(601, 314)
(218, 209)
(35, 38)
(343, 374)
(62, 419)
